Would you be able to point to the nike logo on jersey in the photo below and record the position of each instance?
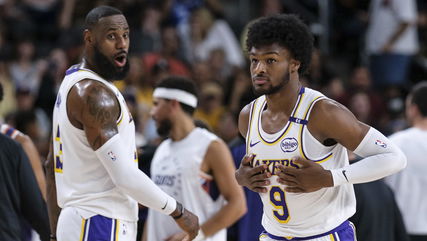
(253, 144)
(343, 172)
(163, 208)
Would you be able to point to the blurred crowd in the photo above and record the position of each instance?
(204, 40)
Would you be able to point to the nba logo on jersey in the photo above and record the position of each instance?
(289, 144)
(380, 143)
(112, 156)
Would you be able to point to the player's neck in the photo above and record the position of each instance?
(182, 126)
(88, 64)
(285, 99)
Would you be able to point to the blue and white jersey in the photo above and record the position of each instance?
(81, 179)
(304, 214)
(175, 168)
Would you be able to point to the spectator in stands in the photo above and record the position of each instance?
(391, 41)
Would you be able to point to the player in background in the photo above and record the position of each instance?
(409, 185)
(192, 165)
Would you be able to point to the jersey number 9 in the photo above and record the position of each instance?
(278, 201)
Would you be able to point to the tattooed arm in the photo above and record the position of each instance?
(92, 107)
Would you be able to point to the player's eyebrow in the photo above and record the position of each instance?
(266, 53)
(117, 28)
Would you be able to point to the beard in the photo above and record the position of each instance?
(108, 70)
(273, 89)
(164, 128)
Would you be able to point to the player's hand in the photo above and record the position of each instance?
(182, 236)
(254, 178)
(189, 223)
(309, 177)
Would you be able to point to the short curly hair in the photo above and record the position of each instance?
(288, 31)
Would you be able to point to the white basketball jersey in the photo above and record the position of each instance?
(304, 214)
(175, 168)
(81, 179)
(409, 185)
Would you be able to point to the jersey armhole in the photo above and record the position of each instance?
(248, 132)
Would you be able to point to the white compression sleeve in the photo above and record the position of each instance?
(380, 158)
(130, 179)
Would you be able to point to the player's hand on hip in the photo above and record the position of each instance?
(254, 178)
(309, 177)
(189, 223)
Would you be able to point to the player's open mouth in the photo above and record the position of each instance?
(120, 60)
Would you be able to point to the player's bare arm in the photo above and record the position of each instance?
(347, 131)
(34, 157)
(254, 178)
(95, 109)
(220, 162)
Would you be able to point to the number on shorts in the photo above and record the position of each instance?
(278, 201)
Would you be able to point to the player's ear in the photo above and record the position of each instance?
(175, 104)
(294, 65)
(87, 36)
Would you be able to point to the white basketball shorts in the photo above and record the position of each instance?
(72, 227)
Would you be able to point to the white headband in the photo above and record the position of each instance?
(175, 94)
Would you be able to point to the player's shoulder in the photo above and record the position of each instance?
(327, 112)
(246, 110)
(244, 115)
(323, 106)
(326, 109)
(164, 144)
(404, 136)
(89, 100)
(88, 87)
(205, 133)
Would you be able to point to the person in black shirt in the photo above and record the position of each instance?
(20, 196)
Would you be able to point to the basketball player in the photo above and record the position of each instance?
(409, 185)
(94, 159)
(192, 165)
(297, 141)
